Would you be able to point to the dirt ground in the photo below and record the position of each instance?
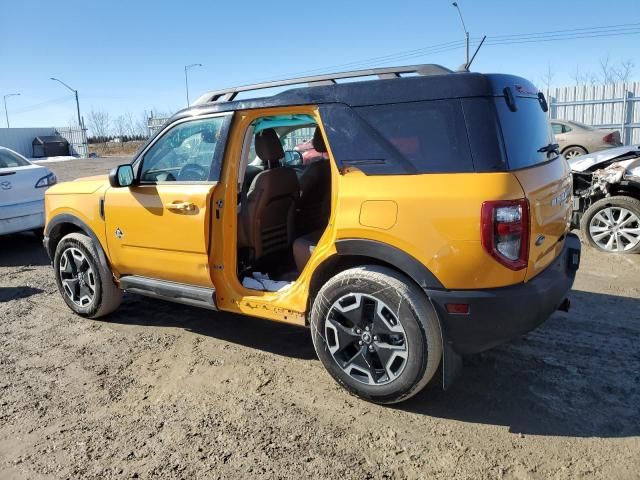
(159, 390)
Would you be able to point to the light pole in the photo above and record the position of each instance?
(466, 35)
(6, 114)
(186, 78)
(77, 102)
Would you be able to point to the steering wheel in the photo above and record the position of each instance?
(192, 172)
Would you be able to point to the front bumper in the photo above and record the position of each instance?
(501, 314)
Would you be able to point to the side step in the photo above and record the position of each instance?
(172, 291)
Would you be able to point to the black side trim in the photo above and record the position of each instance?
(53, 227)
(386, 253)
(175, 292)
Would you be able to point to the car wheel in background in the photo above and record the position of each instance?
(612, 224)
(376, 333)
(574, 151)
(85, 285)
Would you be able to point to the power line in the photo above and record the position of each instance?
(493, 40)
(37, 106)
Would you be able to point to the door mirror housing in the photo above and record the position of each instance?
(292, 158)
(121, 176)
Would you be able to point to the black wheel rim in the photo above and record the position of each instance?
(366, 339)
(77, 277)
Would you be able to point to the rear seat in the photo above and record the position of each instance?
(303, 248)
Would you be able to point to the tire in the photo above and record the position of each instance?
(601, 225)
(574, 151)
(85, 285)
(403, 343)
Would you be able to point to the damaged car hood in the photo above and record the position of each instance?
(628, 156)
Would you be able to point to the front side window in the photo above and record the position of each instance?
(186, 153)
(11, 160)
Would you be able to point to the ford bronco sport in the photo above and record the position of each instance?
(435, 225)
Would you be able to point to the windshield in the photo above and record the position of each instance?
(8, 159)
(527, 133)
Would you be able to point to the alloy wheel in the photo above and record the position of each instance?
(366, 339)
(77, 277)
(615, 229)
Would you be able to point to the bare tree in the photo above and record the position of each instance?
(120, 126)
(547, 77)
(624, 71)
(606, 70)
(99, 123)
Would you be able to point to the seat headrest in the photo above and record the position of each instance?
(268, 146)
(318, 141)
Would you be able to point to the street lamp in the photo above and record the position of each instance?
(77, 102)
(466, 34)
(5, 105)
(186, 78)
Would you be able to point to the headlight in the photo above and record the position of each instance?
(47, 181)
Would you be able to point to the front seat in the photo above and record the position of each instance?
(267, 221)
(315, 191)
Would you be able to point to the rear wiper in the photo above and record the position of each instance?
(552, 147)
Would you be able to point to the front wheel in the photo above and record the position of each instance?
(85, 285)
(612, 224)
(376, 333)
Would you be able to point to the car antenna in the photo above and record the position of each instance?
(465, 67)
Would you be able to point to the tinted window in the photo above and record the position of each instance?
(185, 153)
(11, 160)
(557, 128)
(525, 131)
(430, 136)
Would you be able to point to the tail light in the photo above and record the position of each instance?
(505, 231)
(613, 137)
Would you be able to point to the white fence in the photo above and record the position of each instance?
(602, 106)
(20, 139)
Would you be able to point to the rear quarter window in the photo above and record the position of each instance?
(399, 138)
(524, 131)
(430, 136)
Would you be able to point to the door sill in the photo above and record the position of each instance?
(175, 292)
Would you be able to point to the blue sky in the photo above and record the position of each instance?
(129, 56)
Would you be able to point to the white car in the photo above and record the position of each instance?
(22, 186)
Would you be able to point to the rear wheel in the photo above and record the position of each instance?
(574, 152)
(376, 334)
(86, 286)
(612, 224)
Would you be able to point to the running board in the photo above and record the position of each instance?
(172, 291)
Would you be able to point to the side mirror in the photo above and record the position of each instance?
(121, 176)
(292, 158)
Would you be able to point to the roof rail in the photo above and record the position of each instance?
(228, 94)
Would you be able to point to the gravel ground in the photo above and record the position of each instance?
(159, 390)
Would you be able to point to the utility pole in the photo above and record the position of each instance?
(186, 78)
(466, 35)
(77, 101)
(6, 114)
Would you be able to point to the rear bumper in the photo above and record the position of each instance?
(21, 217)
(501, 314)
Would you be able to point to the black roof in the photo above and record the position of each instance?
(42, 139)
(437, 83)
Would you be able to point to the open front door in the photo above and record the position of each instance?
(160, 227)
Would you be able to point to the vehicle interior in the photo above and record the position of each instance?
(284, 202)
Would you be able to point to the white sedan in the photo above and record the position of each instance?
(22, 186)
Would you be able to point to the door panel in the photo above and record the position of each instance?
(147, 235)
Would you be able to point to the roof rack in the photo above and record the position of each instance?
(228, 94)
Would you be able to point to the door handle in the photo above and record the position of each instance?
(181, 206)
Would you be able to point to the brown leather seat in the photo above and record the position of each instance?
(303, 248)
(315, 191)
(267, 221)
